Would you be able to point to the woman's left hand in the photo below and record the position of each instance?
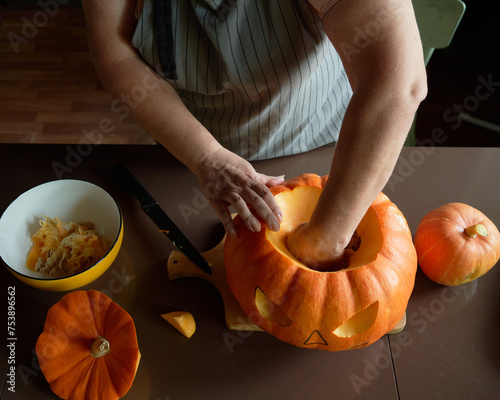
(229, 180)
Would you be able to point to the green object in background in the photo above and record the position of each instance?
(437, 22)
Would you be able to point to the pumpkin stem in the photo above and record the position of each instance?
(474, 230)
(99, 347)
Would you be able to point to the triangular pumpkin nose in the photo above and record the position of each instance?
(315, 338)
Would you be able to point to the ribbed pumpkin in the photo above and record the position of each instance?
(346, 309)
(88, 349)
(456, 244)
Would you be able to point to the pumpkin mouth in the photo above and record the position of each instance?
(297, 206)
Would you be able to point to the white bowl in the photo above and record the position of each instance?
(68, 200)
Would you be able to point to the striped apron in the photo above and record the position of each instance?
(260, 75)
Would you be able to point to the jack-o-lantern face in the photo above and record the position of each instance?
(345, 309)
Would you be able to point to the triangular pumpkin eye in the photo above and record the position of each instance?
(269, 310)
(359, 322)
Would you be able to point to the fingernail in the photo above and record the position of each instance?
(255, 226)
(280, 217)
(275, 226)
(232, 232)
(281, 176)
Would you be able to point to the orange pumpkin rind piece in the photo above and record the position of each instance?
(88, 348)
(183, 321)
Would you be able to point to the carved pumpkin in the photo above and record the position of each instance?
(88, 348)
(345, 309)
(456, 243)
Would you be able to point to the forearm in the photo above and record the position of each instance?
(371, 138)
(159, 110)
(388, 80)
(387, 76)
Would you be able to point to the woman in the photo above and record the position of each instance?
(240, 80)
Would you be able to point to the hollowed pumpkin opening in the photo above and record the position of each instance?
(297, 207)
(269, 310)
(359, 322)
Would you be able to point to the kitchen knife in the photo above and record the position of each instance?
(151, 207)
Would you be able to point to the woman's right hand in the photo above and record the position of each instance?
(314, 249)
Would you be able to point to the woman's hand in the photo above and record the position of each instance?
(314, 249)
(229, 180)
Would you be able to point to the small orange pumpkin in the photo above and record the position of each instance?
(456, 243)
(340, 310)
(88, 349)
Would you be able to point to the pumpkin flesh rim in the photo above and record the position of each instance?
(305, 198)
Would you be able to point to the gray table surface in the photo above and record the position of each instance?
(449, 348)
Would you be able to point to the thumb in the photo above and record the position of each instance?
(272, 180)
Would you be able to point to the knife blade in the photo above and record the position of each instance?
(151, 207)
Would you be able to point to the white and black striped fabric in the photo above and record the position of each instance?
(260, 75)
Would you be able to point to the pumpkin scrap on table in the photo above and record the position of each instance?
(335, 310)
(88, 349)
(183, 321)
(456, 244)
